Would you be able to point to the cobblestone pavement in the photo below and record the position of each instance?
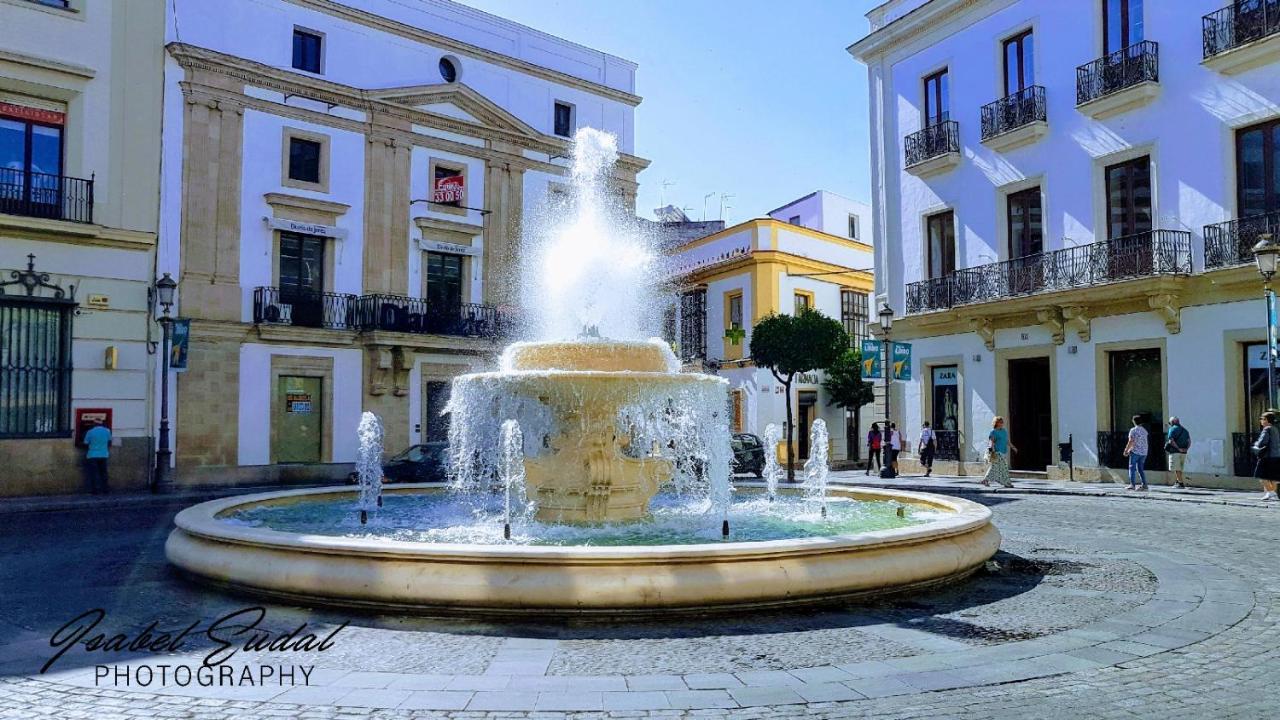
(1097, 607)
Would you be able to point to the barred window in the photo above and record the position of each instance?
(35, 368)
(693, 325)
(855, 315)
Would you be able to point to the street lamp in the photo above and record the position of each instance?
(1266, 253)
(165, 288)
(886, 325)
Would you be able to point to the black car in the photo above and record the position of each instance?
(428, 462)
(748, 454)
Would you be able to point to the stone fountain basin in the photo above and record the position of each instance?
(409, 576)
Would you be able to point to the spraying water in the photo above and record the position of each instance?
(369, 464)
(772, 470)
(586, 264)
(511, 471)
(817, 467)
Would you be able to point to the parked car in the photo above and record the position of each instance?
(748, 454)
(428, 462)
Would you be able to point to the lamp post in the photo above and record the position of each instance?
(886, 326)
(1266, 253)
(165, 288)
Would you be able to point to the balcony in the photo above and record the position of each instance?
(934, 149)
(1231, 243)
(50, 197)
(1015, 120)
(1120, 81)
(1157, 252)
(1242, 35)
(333, 311)
(400, 313)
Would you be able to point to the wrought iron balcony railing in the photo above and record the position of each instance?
(1013, 111)
(1231, 242)
(1111, 450)
(53, 197)
(1243, 461)
(400, 313)
(304, 308)
(1157, 252)
(1240, 23)
(948, 444)
(931, 142)
(1121, 69)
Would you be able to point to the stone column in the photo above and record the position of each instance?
(386, 216)
(213, 142)
(504, 198)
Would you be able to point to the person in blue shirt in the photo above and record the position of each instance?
(998, 447)
(98, 438)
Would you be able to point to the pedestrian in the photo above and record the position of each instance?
(98, 440)
(1136, 450)
(895, 448)
(873, 445)
(928, 446)
(1267, 449)
(1176, 444)
(998, 447)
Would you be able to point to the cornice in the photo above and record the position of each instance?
(893, 36)
(448, 226)
(378, 22)
(58, 66)
(305, 203)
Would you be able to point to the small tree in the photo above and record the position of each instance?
(791, 344)
(845, 386)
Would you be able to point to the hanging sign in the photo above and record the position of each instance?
(871, 359)
(302, 228)
(901, 360)
(450, 189)
(180, 343)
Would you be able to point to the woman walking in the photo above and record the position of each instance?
(1267, 449)
(998, 448)
(873, 445)
(928, 446)
(1136, 450)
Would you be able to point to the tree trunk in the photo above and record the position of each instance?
(791, 465)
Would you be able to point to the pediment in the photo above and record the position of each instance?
(458, 101)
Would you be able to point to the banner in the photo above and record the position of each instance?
(181, 340)
(872, 354)
(901, 360)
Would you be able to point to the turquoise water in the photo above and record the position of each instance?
(436, 517)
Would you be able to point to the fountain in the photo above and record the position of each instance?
(589, 474)
(772, 470)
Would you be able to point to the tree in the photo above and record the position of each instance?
(845, 386)
(791, 344)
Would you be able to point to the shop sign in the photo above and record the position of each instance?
(25, 112)
(299, 403)
(449, 248)
(302, 228)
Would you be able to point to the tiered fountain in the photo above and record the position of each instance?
(589, 475)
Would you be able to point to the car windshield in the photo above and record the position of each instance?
(414, 454)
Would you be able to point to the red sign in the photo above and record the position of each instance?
(22, 112)
(86, 418)
(449, 189)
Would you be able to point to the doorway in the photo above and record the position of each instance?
(1137, 389)
(299, 420)
(808, 401)
(1030, 413)
(436, 422)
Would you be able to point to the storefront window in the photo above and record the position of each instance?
(946, 398)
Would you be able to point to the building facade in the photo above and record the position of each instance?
(344, 193)
(730, 280)
(79, 188)
(1065, 199)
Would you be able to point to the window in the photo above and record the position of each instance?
(1019, 70)
(794, 220)
(853, 227)
(307, 50)
(301, 267)
(444, 280)
(855, 315)
(693, 325)
(1121, 24)
(35, 368)
(437, 420)
(1025, 223)
(31, 161)
(304, 160)
(941, 237)
(734, 319)
(1258, 169)
(448, 70)
(803, 300)
(563, 119)
(937, 104)
(1129, 197)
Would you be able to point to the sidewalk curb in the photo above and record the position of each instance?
(124, 501)
(1016, 490)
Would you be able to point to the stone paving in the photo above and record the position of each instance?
(1096, 607)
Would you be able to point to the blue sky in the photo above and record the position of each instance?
(751, 98)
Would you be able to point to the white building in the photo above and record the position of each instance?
(730, 280)
(1065, 194)
(827, 212)
(344, 185)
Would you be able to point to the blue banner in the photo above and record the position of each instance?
(901, 361)
(872, 355)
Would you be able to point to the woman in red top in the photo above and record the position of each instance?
(873, 442)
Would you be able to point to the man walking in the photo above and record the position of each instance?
(895, 447)
(1136, 451)
(1176, 444)
(927, 448)
(98, 438)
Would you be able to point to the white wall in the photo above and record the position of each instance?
(827, 212)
